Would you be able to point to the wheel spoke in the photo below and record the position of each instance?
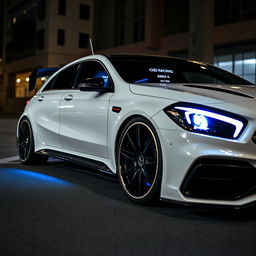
(22, 144)
(24, 132)
(150, 160)
(139, 182)
(126, 171)
(133, 178)
(138, 137)
(146, 175)
(128, 152)
(126, 155)
(24, 152)
(128, 135)
(147, 144)
(21, 134)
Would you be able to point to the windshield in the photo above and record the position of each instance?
(151, 69)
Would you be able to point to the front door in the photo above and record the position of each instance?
(84, 114)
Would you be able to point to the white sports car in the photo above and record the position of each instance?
(169, 128)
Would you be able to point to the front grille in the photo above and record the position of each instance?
(220, 180)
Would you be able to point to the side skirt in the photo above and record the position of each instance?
(99, 166)
(209, 206)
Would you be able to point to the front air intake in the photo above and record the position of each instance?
(218, 179)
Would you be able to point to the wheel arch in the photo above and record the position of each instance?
(121, 128)
(23, 116)
(26, 116)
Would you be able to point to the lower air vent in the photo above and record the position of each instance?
(218, 179)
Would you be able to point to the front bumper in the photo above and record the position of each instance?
(200, 169)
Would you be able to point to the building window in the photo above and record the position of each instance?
(41, 9)
(84, 12)
(139, 20)
(119, 21)
(61, 37)
(21, 42)
(176, 14)
(83, 40)
(62, 7)
(40, 39)
(230, 11)
(241, 64)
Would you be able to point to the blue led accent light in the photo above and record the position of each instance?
(141, 81)
(148, 184)
(194, 111)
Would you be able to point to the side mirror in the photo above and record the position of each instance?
(92, 85)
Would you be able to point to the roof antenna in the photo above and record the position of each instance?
(91, 46)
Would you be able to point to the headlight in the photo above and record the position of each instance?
(206, 120)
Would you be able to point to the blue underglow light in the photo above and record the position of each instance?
(32, 177)
(144, 80)
(200, 122)
(194, 111)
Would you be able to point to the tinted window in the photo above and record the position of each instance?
(148, 69)
(49, 84)
(93, 69)
(64, 80)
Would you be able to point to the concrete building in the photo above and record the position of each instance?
(1, 48)
(40, 33)
(222, 32)
(48, 33)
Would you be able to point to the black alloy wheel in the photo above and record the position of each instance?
(25, 143)
(139, 161)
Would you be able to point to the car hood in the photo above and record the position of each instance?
(198, 93)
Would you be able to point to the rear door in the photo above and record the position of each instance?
(46, 108)
(84, 114)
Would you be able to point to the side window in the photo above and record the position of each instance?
(64, 80)
(49, 84)
(93, 69)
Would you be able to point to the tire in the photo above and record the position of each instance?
(25, 144)
(139, 161)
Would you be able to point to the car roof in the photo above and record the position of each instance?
(152, 57)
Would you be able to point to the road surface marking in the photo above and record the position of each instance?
(9, 159)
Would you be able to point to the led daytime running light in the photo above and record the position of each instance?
(188, 111)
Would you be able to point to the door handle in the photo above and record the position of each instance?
(40, 98)
(69, 97)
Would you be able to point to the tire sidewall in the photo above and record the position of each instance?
(31, 142)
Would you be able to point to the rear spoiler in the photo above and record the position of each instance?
(37, 73)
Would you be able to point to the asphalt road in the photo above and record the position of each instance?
(63, 209)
